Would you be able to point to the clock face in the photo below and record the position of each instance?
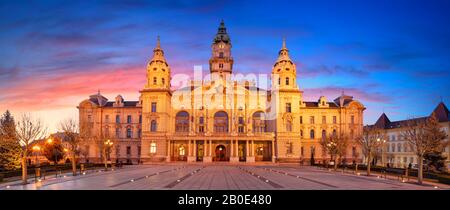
(221, 46)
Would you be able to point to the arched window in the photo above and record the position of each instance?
(287, 80)
(301, 134)
(221, 122)
(163, 81)
(221, 55)
(154, 80)
(279, 80)
(153, 126)
(311, 134)
(324, 134)
(259, 122)
(399, 147)
(334, 133)
(182, 122)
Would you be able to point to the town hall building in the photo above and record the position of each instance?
(220, 119)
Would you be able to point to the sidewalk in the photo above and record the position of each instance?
(17, 180)
(375, 174)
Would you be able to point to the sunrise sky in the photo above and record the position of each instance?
(390, 55)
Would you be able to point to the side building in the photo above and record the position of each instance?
(396, 150)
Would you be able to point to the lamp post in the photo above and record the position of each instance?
(50, 142)
(36, 149)
(108, 145)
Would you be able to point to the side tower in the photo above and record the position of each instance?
(286, 101)
(156, 108)
(221, 62)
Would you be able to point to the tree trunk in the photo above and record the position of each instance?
(335, 164)
(420, 171)
(368, 164)
(24, 170)
(74, 165)
(105, 159)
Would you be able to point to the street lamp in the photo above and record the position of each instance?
(108, 145)
(36, 149)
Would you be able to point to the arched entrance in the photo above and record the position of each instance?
(221, 153)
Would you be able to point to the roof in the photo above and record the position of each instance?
(125, 103)
(222, 35)
(441, 112)
(316, 104)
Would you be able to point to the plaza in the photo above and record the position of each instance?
(225, 176)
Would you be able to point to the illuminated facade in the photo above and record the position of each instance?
(221, 119)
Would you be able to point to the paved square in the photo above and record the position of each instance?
(181, 176)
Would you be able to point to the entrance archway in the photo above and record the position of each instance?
(221, 153)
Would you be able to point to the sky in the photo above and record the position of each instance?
(391, 55)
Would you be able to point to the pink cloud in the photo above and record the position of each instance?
(49, 92)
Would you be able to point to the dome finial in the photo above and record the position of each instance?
(158, 42)
(284, 43)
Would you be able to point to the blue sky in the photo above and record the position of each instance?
(390, 55)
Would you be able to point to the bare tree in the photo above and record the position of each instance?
(371, 140)
(424, 136)
(28, 129)
(335, 146)
(71, 131)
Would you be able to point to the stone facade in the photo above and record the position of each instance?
(223, 119)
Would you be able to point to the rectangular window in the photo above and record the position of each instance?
(128, 150)
(107, 118)
(90, 118)
(153, 147)
(288, 107)
(117, 118)
(139, 133)
(334, 120)
(129, 119)
(352, 119)
(201, 129)
(324, 120)
(241, 129)
(139, 150)
(301, 119)
(311, 120)
(153, 106)
(241, 120)
(140, 118)
(128, 132)
(301, 151)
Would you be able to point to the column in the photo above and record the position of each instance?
(194, 153)
(253, 148)
(273, 151)
(210, 143)
(246, 149)
(168, 151)
(189, 148)
(232, 150)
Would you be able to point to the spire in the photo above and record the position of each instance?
(158, 43)
(222, 35)
(158, 53)
(283, 55)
